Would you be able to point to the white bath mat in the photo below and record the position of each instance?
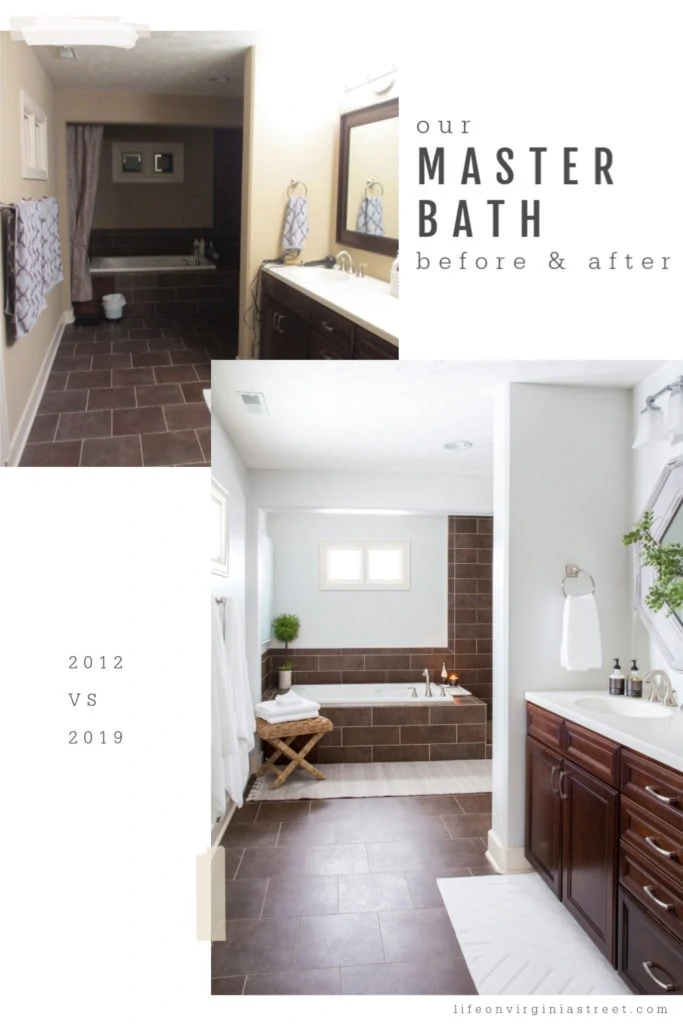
(396, 778)
(518, 939)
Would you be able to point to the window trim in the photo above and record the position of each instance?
(34, 152)
(365, 546)
(221, 566)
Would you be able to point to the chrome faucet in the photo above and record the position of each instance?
(428, 687)
(347, 260)
(656, 677)
(360, 269)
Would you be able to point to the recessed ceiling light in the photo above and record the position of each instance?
(457, 446)
(219, 78)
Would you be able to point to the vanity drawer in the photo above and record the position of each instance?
(327, 348)
(650, 959)
(599, 756)
(652, 838)
(655, 787)
(293, 300)
(369, 346)
(334, 327)
(651, 888)
(544, 727)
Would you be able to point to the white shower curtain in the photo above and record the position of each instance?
(232, 713)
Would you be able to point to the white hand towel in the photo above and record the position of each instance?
(293, 716)
(296, 223)
(273, 707)
(371, 216)
(581, 647)
(294, 702)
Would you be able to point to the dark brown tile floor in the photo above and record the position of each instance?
(332, 897)
(127, 393)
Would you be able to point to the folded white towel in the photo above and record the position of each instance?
(294, 716)
(274, 707)
(581, 642)
(295, 702)
(296, 223)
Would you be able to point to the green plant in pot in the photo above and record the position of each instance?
(666, 559)
(286, 630)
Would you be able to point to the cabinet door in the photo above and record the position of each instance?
(589, 854)
(283, 335)
(543, 813)
(650, 959)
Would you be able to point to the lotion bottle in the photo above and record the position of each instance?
(634, 682)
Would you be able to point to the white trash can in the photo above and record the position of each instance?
(113, 306)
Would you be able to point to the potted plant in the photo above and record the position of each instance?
(286, 630)
(666, 592)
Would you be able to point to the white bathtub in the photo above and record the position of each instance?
(145, 264)
(353, 694)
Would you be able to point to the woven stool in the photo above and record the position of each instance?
(281, 734)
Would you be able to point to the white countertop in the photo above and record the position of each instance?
(365, 300)
(658, 738)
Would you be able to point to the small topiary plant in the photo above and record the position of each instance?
(286, 630)
(667, 561)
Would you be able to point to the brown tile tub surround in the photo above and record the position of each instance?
(470, 646)
(126, 393)
(330, 897)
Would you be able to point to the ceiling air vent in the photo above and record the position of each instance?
(254, 402)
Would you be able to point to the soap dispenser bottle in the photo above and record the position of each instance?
(616, 680)
(393, 287)
(634, 682)
(444, 674)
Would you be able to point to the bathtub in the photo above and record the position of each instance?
(145, 264)
(359, 694)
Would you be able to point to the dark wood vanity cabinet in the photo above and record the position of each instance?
(294, 326)
(604, 829)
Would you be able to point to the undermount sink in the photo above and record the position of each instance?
(625, 707)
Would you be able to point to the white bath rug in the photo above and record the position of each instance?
(396, 778)
(518, 939)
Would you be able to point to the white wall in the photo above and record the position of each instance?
(647, 465)
(562, 495)
(454, 495)
(400, 618)
(242, 582)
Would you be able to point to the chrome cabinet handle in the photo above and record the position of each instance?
(652, 841)
(660, 796)
(280, 322)
(560, 789)
(648, 967)
(554, 790)
(327, 326)
(649, 890)
(276, 321)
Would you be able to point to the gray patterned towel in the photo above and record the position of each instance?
(371, 216)
(296, 223)
(33, 260)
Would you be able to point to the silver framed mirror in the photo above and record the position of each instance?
(666, 504)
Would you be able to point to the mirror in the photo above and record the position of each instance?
(367, 201)
(666, 503)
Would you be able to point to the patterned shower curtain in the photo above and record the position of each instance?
(83, 149)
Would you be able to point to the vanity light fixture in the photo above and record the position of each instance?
(68, 32)
(457, 446)
(654, 427)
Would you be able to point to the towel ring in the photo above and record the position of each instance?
(371, 183)
(571, 572)
(293, 184)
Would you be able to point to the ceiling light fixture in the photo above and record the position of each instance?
(67, 32)
(653, 426)
(457, 446)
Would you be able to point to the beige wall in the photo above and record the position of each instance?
(187, 204)
(24, 358)
(292, 132)
(106, 107)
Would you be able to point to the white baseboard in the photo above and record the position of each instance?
(507, 860)
(220, 826)
(20, 437)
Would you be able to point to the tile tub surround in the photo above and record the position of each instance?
(126, 393)
(340, 896)
(470, 645)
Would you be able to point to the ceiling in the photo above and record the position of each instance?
(179, 63)
(392, 417)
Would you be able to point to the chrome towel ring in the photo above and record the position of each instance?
(293, 184)
(571, 572)
(373, 183)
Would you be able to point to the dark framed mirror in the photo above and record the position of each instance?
(367, 197)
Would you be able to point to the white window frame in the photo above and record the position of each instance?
(219, 496)
(147, 175)
(364, 546)
(33, 128)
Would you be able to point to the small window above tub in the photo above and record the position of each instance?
(220, 542)
(364, 565)
(33, 139)
(145, 163)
